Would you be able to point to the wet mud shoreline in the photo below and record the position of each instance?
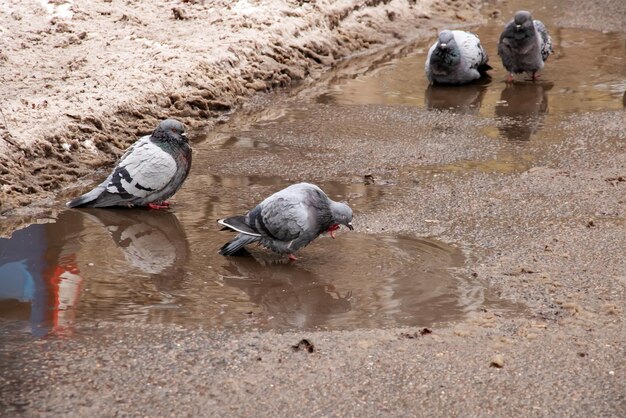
(73, 111)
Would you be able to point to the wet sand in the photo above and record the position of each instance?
(544, 228)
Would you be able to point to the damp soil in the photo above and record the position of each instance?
(512, 190)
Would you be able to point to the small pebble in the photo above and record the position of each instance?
(497, 361)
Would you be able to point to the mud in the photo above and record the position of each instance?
(532, 191)
(67, 110)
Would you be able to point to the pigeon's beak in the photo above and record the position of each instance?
(350, 227)
(518, 27)
(443, 46)
(183, 134)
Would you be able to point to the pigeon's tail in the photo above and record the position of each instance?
(86, 200)
(236, 246)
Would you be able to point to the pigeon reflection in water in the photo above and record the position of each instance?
(288, 294)
(522, 109)
(465, 99)
(152, 242)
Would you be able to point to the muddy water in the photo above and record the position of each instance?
(149, 266)
(586, 73)
(92, 265)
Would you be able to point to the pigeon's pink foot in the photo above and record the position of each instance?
(535, 76)
(156, 206)
(509, 78)
(331, 230)
(293, 257)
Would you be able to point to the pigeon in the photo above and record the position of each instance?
(524, 45)
(456, 58)
(150, 172)
(287, 220)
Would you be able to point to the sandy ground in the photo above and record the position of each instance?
(554, 244)
(81, 80)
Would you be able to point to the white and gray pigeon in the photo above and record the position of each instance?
(287, 220)
(456, 58)
(150, 171)
(524, 45)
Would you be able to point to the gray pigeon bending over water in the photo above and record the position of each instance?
(150, 171)
(524, 45)
(287, 220)
(456, 58)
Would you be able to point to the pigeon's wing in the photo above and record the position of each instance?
(427, 64)
(144, 170)
(240, 224)
(284, 218)
(546, 40)
(507, 31)
(471, 49)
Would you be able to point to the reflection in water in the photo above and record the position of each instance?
(356, 281)
(522, 109)
(45, 269)
(465, 99)
(153, 242)
(290, 296)
(40, 281)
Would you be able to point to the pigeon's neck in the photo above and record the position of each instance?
(334, 207)
(524, 37)
(443, 59)
(168, 143)
(339, 212)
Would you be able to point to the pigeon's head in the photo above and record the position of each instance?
(446, 41)
(171, 129)
(342, 214)
(523, 20)
(447, 54)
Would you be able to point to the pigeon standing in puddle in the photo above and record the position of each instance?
(524, 45)
(287, 220)
(150, 172)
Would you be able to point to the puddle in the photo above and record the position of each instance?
(392, 100)
(587, 73)
(112, 265)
